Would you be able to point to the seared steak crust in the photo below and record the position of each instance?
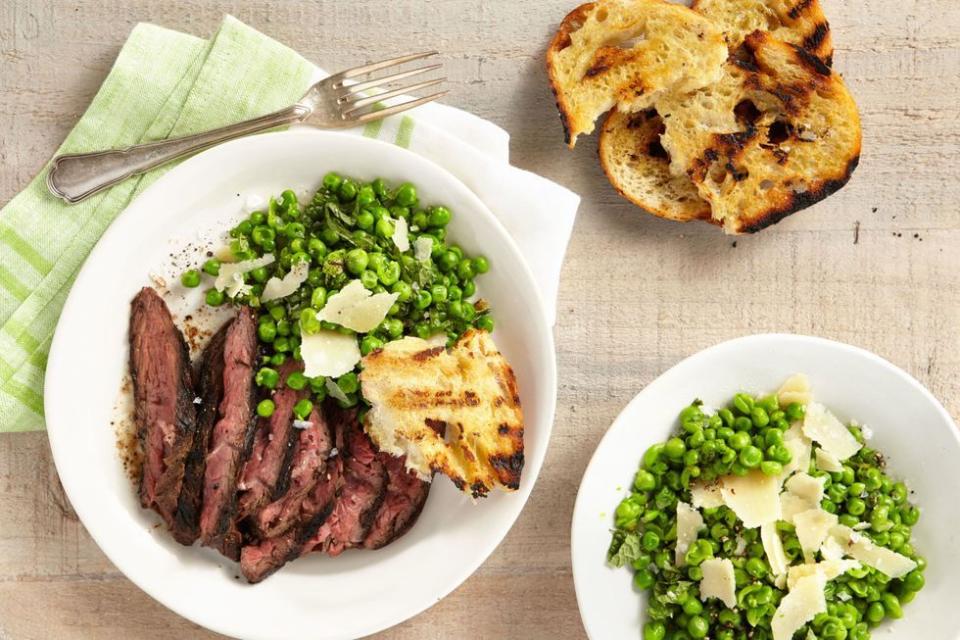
(405, 497)
(163, 398)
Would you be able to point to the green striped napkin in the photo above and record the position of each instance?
(163, 84)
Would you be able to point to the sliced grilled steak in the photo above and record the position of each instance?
(309, 466)
(266, 474)
(317, 484)
(163, 400)
(231, 437)
(364, 488)
(406, 495)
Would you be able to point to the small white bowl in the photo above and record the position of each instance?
(909, 425)
(355, 594)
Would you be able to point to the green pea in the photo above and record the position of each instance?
(756, 567)
(384, 228)
(439, 293)
(742, 423)
(759, 416)
(278, 359)
(743, 403)
(738, 440)
(420, 220)
(423, 299)
(369, 279)
(422, 329)
(190, 278)
(465, 270)
(365, 220)
(652, 455)
(389, 273)
(795, 411)
(654, 630)
(698, 627)
(356, 261)
(674, 448)
(265, 408)
(347, 191)
(332, 181)
(393, 327)
(267, 378)
(909, 515)
(771, 467)
(485, 323)
(644, 481)
(366, 196)
(469, 288)
(447, 261)
(481, 264)
(295, 230)
(650, 541)
(874, 613)
(282, 344)
(370, 344)
(283, 327)
(302, 409)
(406, 195)
(297, 381)
(856, 506)
(643, 579)
(267, 330)
(348, 383)
(891, 604)
(214, 298)
(212, 267)
(751, 457)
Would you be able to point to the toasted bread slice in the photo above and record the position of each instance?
(626, 53)
(799, 22)
(638, 167)
(454, 411)
(778, 133)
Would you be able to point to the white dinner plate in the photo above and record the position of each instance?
(915, 432)
(172, 224)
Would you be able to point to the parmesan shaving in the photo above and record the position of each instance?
(791, 505)
(706, 496)
(718, 581)
(829, 569)
(237, 286)
(753, 497)
(799, 447)
(689, 524)
(795, 389)
(773, 547)
(422, 248)
(831, 549)
(401, 235)
(302, 424)
(813, 526)
(805, 486)
(823, 427)
(328, 353)
(230, 269)
(277, 288)
(354, 307)
(799, 607)
(826, 461)
(861, 548)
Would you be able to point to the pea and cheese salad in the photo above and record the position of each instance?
(767, 519)
(360, 265)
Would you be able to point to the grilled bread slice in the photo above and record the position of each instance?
(638, 167)
(454, 411)
(799, 22)
(627, 52)
(778, 133)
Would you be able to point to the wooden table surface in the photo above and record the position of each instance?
(875, 265)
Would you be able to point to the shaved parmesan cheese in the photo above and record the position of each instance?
(795, 389)
(805, 486)
(302, 424)
(718, 581)
(861, 548)
(799, 447)
(823, 427)
(826, 461)
(799, 607)
(354, 307)
(422, 248)
(237, 286)
(230, 269)
(813, 526)
(831, 549)
(791, 505)
(401, 236)
(277, 288)
(328, 353)
(689, 524)
(829, 569)
(773, 547)
(706, 496)
(335, 392)
(753, 497)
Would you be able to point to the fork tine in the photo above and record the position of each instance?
(383, 64)
(397, 108)
(354, 102)
(376, 82)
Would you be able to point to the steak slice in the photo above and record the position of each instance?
(230, 438)
(309, 465)
(266, 474)
(163, 399)
(406, 495)
(364, 488)
(305, 515)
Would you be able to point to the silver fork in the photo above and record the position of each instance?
(328, 104)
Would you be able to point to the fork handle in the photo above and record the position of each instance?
(75, 177)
